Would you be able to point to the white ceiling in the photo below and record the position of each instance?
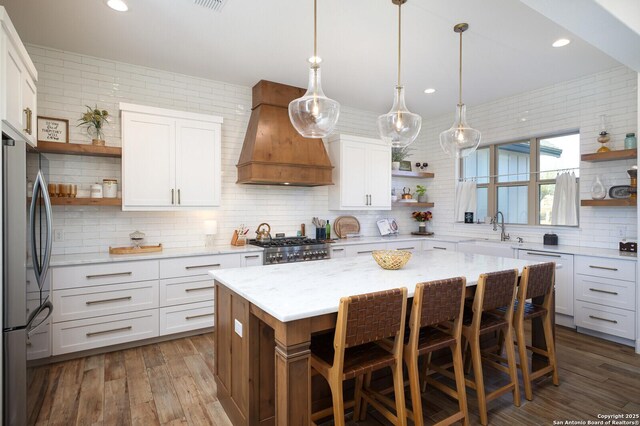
(507, 49)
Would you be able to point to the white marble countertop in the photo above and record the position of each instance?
(301, 290)
(88, 258)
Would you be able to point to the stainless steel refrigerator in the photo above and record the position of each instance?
(26, 244)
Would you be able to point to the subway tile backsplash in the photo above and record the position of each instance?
(69, 81)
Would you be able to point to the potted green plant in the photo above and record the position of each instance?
(95, 119)
(398, 155)
(421, 191)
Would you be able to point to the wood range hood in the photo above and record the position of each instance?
(273, 152)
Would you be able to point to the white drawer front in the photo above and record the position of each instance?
(178, 291)
(181, 318)
(605, 291)
(107, 273)
(32, 285)
(606, 268)
(363, 249)
(73, 336)
(39, 342)
(405, 245)
(96, 301)
(197, 265)
(251, 259)
(617, 322)
(438, 245)
(337, 252)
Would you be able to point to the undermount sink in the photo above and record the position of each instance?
(488, 247)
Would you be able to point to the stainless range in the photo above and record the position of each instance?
(292, 249)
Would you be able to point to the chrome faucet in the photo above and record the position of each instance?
(494, 221)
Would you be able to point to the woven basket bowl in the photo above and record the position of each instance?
(391, 259)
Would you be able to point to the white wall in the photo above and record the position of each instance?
(570, 105)
(69, 81)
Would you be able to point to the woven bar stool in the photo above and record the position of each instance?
(436, 323)
(494, 291)
(537, 281)
(357, 349)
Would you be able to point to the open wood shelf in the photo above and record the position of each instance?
(420, 175)
(79, 149)
(623, 154)
(399, 204)
(64, 201)
(624, 202)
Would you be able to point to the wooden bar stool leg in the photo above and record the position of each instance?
(357, 397)
(524, 359)
(551, 349)
(367, 385)
(414, 386)
(458, 370)
(424, 370)
(338, 402)
(513, 369)
(479, 379)
(398, 384)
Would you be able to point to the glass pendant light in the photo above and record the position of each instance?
(399, 127)
(460, 140)
(314, 115)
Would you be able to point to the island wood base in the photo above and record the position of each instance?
(263, 377)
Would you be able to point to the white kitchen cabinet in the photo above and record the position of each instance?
(438, 245)
(361, 174)
(171, 160)
(605, 297)
(194, 316)
(404, 245)
(251, 259)
(18, 100)
(337, 252)
(564, 276)
(363, 249)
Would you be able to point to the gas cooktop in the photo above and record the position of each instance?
(286, 242)
(292, 249)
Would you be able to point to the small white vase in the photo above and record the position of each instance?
(395, 165)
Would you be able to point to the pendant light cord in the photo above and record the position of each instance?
(399, 39)
(315, 31)
(460, 74)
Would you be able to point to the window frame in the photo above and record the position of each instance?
(533, 184)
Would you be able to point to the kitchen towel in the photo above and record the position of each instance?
(564, 210)
(466, 199)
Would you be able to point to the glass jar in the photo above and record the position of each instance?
(96, 191)
(630, 142)
(109, 188)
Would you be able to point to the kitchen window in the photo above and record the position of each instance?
(518, 178)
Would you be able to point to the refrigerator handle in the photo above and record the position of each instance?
(41, 266)
(30, 323)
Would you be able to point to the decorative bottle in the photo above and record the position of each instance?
(598, 191)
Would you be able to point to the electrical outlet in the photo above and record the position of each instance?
(58, 235)
(621, 232)
(237, 325)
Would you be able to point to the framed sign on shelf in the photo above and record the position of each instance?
(53, 129)
(405, 166)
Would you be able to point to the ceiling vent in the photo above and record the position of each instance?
(215, 5)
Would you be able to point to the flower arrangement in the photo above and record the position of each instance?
(422, 216)
(95, 119)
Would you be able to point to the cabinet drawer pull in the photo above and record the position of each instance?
(190, 317)
(114, 274)
(213, 265)
(338, 249)
(255, 256)
(439, 248)
(188, 290)
(543, 254)
(365, 252)
(615, 293)
(603, 319)
(115, 299)
(113, 330)
(28, 115)
(406, 248)
(173, 198)
(606, 268)
(178, 197)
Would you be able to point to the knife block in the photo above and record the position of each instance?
(238, 240)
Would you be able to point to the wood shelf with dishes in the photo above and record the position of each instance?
(405, 204)
(67, 201)
(622, 154)
(611, 202)
(410, 174)
(79, 149)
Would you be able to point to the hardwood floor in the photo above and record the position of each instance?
(171, 383)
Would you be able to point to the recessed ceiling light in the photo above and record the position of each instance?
(561, 42)
(118, 5)
(429, 91)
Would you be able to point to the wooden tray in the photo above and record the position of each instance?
(344, 225)
(422, 233)
(135, 250)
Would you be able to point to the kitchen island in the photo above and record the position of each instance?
(266, 315)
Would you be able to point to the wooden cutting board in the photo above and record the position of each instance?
(344, 225)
